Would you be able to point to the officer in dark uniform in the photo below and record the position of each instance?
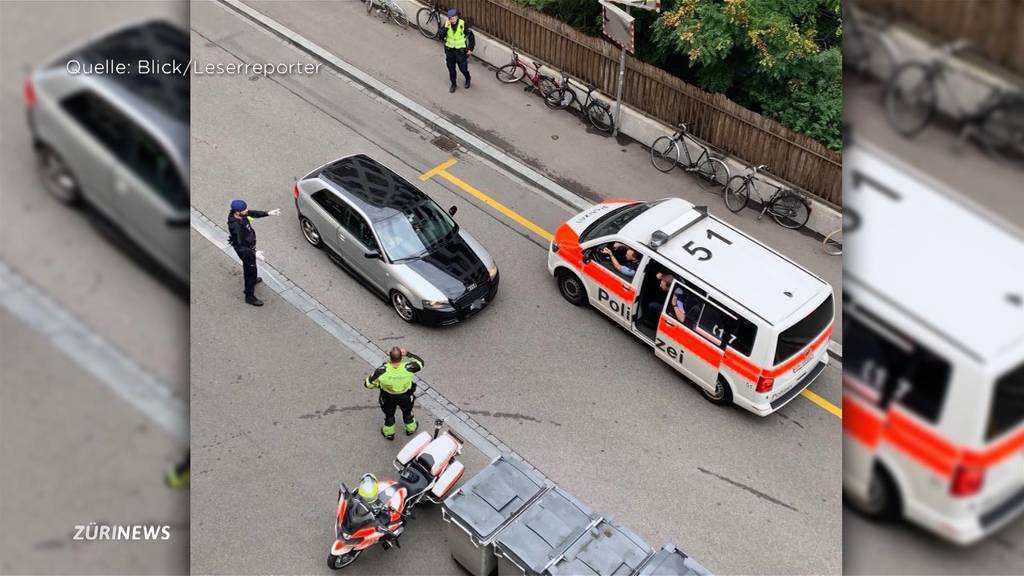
(242, 238)
(397, 390)
(458, 45)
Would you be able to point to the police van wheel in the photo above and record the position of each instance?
(721, 395)
(572, 288)
(883, 498)
(403, 307)
(310, 232)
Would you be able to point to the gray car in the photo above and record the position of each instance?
(117, 139)
(395, 239)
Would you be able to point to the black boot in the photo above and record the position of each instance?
(253, 301)
(451, 88)
(258, 279)
(467, 84)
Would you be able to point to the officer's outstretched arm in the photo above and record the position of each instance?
(371, 380)
(415, 363)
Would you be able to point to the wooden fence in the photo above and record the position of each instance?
(792, 156)
(994, 27)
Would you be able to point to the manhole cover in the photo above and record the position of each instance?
(445, 143)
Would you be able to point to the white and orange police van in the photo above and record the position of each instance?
(745, 323)
(933, 367)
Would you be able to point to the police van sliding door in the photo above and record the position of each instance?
(610, 291)
(691, 331)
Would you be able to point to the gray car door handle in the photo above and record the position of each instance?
(341, 237)
(120, 187)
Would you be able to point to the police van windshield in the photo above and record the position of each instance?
(613, 221)
(892, 367)
(1007, 404)
(799, 335)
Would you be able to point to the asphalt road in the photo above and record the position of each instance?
(575, 395)
(870, 548)
(73, 451)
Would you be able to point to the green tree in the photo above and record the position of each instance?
(779, 57)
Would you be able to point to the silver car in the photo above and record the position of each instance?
(396, 240)
(119, 140)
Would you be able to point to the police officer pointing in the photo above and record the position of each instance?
(458, 45)
(242, 238)
(394, 379)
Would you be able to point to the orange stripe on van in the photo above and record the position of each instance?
(741, 365)
(995, 453)
(610, 280)
(861, 422)
(568, 242)
(689, 340)
(920, 443)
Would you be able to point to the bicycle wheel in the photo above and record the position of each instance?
(910, 98)
(790, 210)
(428, 22)
(737, 193)
(547, 87)
(599, 116)
(833, 243)
(398, 15)
(664, 153)
(1001, 131)
(714, 172)
(510, 73)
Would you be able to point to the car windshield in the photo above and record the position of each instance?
(415, 232)
(613, 221)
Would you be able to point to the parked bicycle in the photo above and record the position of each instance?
(866, 48)
(997, 122)
(788, 207)
(388, 10)
(665, 156)
(517, 69)
(564, 96)
(430, 20)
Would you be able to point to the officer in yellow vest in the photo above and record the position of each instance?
(394, 379)
(458, 45)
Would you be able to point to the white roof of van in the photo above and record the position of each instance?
(948, 264)
(762, 280)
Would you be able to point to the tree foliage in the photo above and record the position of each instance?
(778, 57)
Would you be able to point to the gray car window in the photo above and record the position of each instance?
(101, 120)
(150, 163)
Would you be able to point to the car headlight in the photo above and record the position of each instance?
(436, 305)
(493, 271)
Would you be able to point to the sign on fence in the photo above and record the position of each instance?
(642, 4)
(617, 24)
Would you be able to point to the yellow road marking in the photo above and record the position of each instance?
(835, 410)
(442, 171)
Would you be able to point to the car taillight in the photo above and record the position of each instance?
(295, 191)
(29, 93)
(966, 481)
(764, 384)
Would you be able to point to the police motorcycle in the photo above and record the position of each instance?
(377, 511)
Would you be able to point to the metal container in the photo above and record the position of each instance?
(542, 533)
(607, 549)
(477, 511)
(671, 561)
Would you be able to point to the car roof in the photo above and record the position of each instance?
(940, 259)
(762, 280)
(375, 189)
(161, 99)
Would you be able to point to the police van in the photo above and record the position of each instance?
(745, 323)
(933, 375)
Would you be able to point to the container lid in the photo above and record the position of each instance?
(670, 561)
(545, 530)
(607, 549)
(490, 499)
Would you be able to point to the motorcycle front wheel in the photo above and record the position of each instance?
(339, 562)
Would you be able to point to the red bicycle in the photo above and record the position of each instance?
(521, 67)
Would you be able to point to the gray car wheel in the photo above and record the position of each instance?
(403, 307)
(57, 177)
(310, 232)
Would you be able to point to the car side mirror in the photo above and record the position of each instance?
(588, 255)
(372, 255)
(180, 220)
(453, 210)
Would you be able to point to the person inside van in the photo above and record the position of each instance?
(623, 258)
(685, 307)
(655, 299)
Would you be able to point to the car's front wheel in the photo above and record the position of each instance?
(572, 288)
(403, 307)
(310, 233)
(57, 177)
